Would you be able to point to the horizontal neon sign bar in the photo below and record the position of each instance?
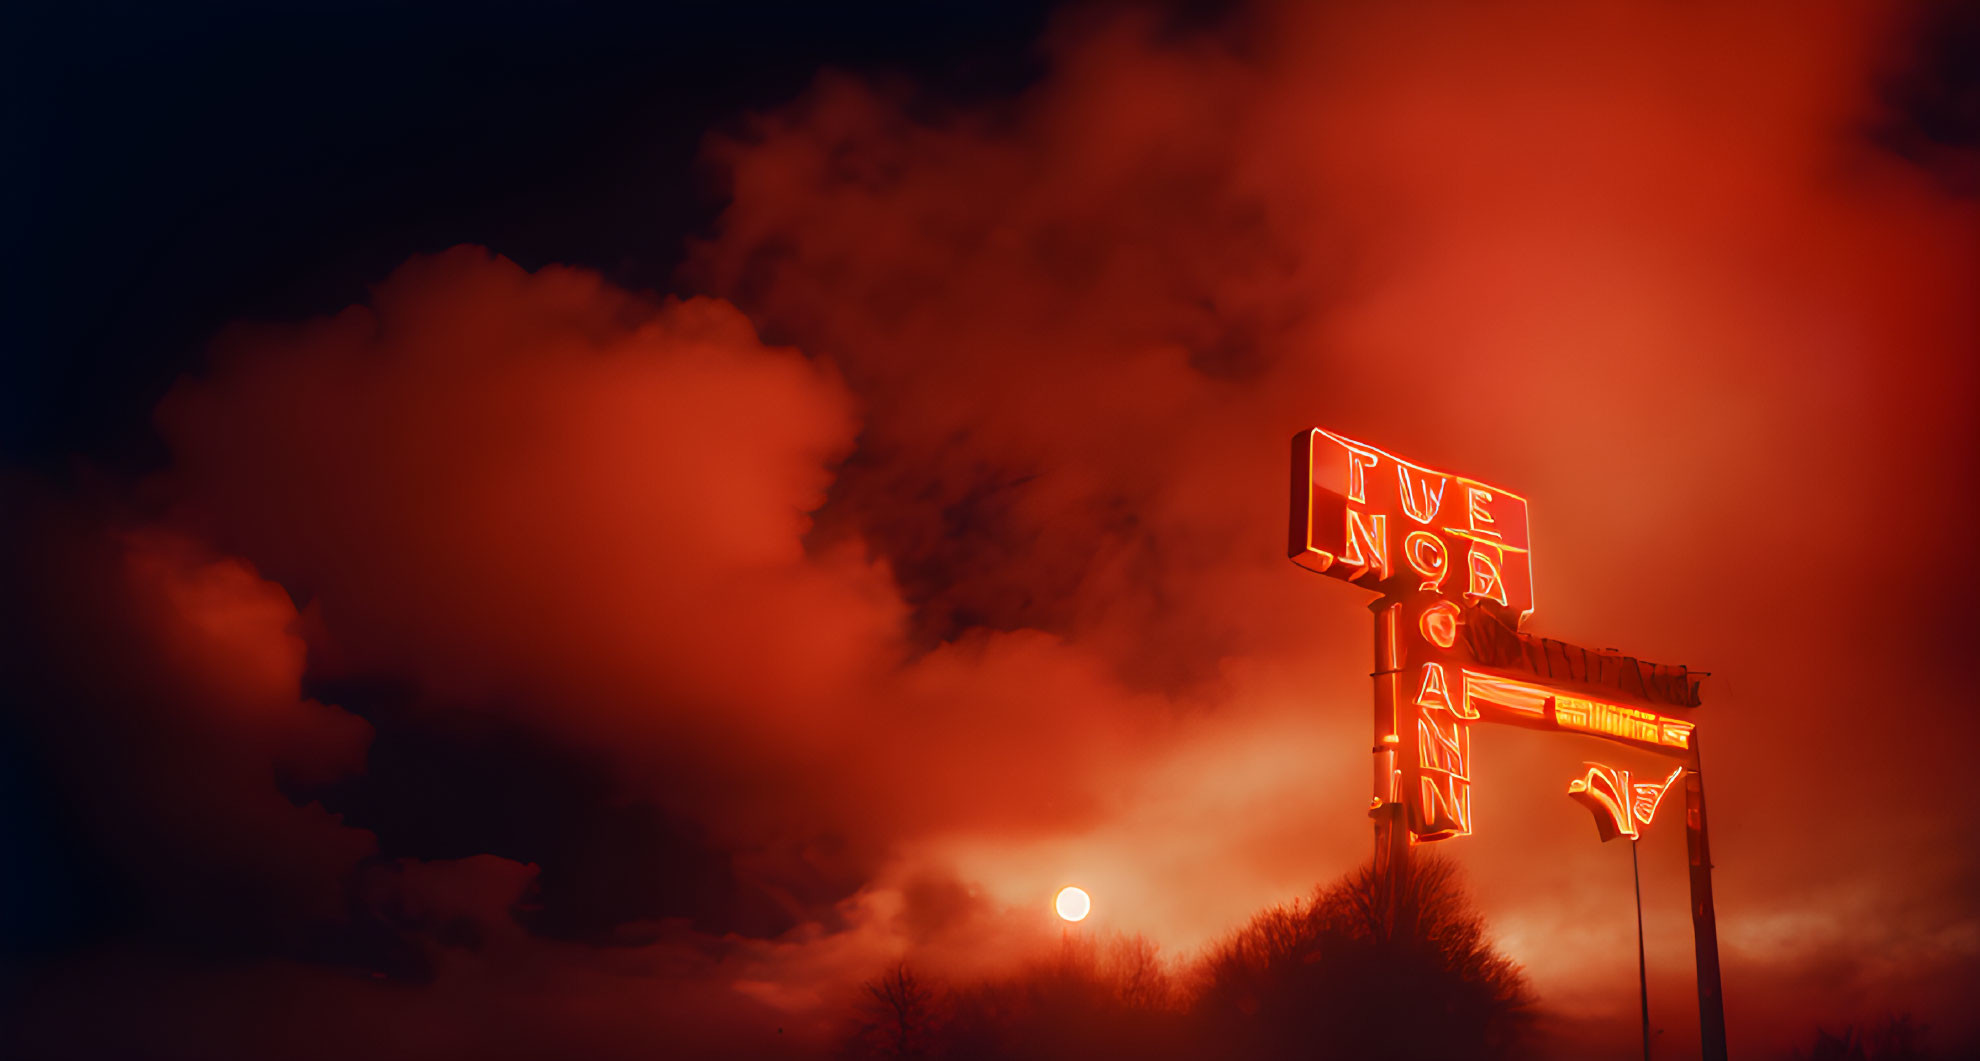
(1535, 703)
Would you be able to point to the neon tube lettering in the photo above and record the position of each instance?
(1476, 498)
(1445, 808)
(1373, 533)
(1486, 582)
(1433, 500)
(1435, 692)
(1645, 797)
(1602, 790)
(1572, 712)
(1440, 750)
(1427, 557)
(1439, 623)
(1359, 461)
(1616, 720)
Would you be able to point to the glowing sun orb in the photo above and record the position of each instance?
(1072, 904)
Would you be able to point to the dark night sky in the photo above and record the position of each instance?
(824, 515)
(188, 166)
(175, 167)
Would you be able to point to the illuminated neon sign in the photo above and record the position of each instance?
(1451, 559)
(1620, 808)
(1444, 551)
(1616, 720)
(1363, 515)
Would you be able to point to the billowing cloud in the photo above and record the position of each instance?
(537, 495)
(723, 649)
(162, 685)
(488, 479)
(1652, 268)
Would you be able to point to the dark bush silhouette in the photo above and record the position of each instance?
(1094, 1000)
(1378, 966)
(1896, 1038)
(1370, 968)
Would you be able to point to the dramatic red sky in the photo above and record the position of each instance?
(929, 555)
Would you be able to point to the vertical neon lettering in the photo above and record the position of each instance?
(1427, 557)
(1486, 581)
(1367, 542)
(1446, 811)
(1359, 461)
(1476, 498)
(1434, 691)
(1439, 624)
(1439, 750)
(1432, 500)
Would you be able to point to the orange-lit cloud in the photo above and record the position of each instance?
(1648, 267)
(930, 559)
(162, 684)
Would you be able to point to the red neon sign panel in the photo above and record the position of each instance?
(1447, 552)
(1370, 517)
(1452, 561)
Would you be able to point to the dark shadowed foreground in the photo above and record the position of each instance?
(1895, 1038)
(1377, 965)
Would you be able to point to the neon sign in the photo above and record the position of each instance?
(1350, 500)
(1616, 720)
(1451, 560)
(1447, 552)
(1620, 808)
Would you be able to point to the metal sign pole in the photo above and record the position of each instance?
(1704, 921)
(1391, 824)
(1642, 970)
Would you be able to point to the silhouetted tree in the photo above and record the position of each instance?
(897, 1014)
(1134, 968)
(1378, 966)
(1096, 999)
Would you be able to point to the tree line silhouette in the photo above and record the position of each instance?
(1376, 967)
(1895, 1038)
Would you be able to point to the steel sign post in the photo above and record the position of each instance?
(1704, 919)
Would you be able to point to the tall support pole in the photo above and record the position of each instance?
(1704, 920)
(1391, 824)
(1642, 969)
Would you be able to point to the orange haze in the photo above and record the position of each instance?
(930, 558)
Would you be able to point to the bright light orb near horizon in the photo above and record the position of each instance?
(1072, 903)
